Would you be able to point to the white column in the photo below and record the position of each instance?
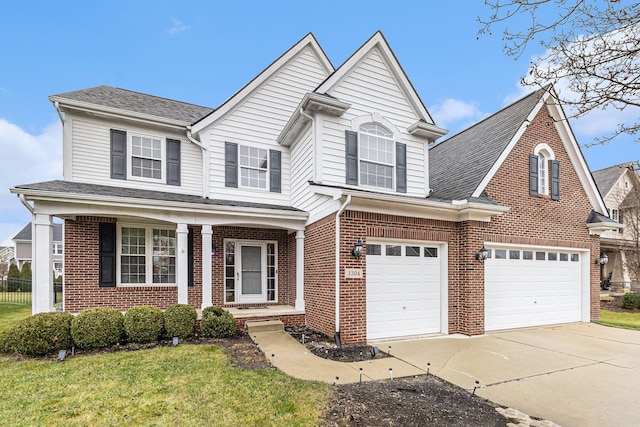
(41, 264)
(300, 270)
(207, 300)
(183, 263)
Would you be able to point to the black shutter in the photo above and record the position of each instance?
(533, 175)
(118, 154)
(190, 278)
(620, 230)
(555, 180)
(351, 157)
(107, 255)
(275, 171)
(401, 167)
(173, 162)
(231, 164)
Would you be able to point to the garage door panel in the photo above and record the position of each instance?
(521, 293)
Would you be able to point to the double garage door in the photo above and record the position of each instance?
(403, 289)
(532, 287)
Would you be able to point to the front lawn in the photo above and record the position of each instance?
(620, 319)
(11, 313)
(188, 385)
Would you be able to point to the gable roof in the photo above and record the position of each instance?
(378, 40)
(25, 233)
(257, 81)
(126, 100)
(458, 165)
(607, 177)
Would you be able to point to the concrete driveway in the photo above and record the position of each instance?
(580, 374)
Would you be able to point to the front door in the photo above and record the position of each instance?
(252, 274)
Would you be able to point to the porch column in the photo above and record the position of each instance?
(183, 263)
(207, 300)
(300, 270)
(41, 264)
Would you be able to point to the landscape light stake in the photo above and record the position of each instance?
(272, 356)
(175, 341)
(61, 355)
(428, 366)
(391, 373)
(336, 381)
(302, 339)
(476, 386)
(361, 375)
(389, 350)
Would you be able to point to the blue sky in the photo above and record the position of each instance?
(203, 51)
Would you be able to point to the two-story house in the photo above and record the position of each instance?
(319, 196)
(23, 248)
(620, 186)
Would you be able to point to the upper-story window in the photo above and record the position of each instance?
(254, 166)
(146, 157)
(376, 156)
(57, 249)
(544, 172)
(614, 214)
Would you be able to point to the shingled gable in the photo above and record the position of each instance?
(458, 165)
(128, 101)
(607, 177)
(307, 41)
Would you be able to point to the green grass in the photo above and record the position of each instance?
(621, 320)
(188, 385)
(11, 313)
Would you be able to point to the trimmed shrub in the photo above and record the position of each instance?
(25, 274)
(217, 323)
(179, 320)
(630, 301)
(143, 324)
(42, 334)
(7, 343)
(97, 328)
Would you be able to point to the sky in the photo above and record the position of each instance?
(202, 52)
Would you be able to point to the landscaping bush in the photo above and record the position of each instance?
(216, 323)
(179, 320)
(143, 324)
(97, 328)
(42, 334)
(7, 343)
(630, 301)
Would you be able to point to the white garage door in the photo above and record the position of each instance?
(403, 290)
(532, 287)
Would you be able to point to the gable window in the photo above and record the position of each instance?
(147, 255)
(376, 156)
(544, 173)
(614, 214)
(253, 167)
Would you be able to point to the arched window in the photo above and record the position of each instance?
(376, 156)
(544, 172)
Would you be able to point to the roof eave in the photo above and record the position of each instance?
(427, 130)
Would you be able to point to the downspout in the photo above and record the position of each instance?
(342, 208)
(205, 162)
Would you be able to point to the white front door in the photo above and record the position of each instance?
(252, 275)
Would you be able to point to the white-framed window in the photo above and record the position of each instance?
(543, 173)
(57, 249)
(376, 156)
(146, 255)
(147, 159)
(254, 167)
(614, 214)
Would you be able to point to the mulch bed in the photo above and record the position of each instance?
(612, 303)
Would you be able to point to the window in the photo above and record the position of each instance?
(430, 252)
(57, 249)
(552, 256)
(374, 249)
(376, 156)
(146, 157)
(564, 256)
(514, 254)
(253, 167)
(147, 256)
(575, 257)
(528, 255)
(540, 256)
(501, 253)
(543, 187)
(412, 251)
(57, 266)
(394, 250)
(544, 172)
(614, 214)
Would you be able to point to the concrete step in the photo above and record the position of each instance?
(263, 326)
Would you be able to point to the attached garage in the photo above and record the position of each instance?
(406, 289)
(535, 286)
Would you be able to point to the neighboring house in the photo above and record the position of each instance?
(6, 256)
(619, 185)
(22, 242)
(312, 195)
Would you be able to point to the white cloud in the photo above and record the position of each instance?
(455, 114)
(178, 27)
(26, 159)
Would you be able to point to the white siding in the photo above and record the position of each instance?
(91, 160)
(259, 120)
(371, 88)
(302, 170)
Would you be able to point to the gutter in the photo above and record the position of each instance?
(56, 104)
(205, 162)
(342, 208)
(24, 202)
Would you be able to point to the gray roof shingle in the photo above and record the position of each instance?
(123, 99)
(59, 186)
(458, 164)
(25, 233)
(607, 177)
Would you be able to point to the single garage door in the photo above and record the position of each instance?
(403, 290)
(532, 287)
